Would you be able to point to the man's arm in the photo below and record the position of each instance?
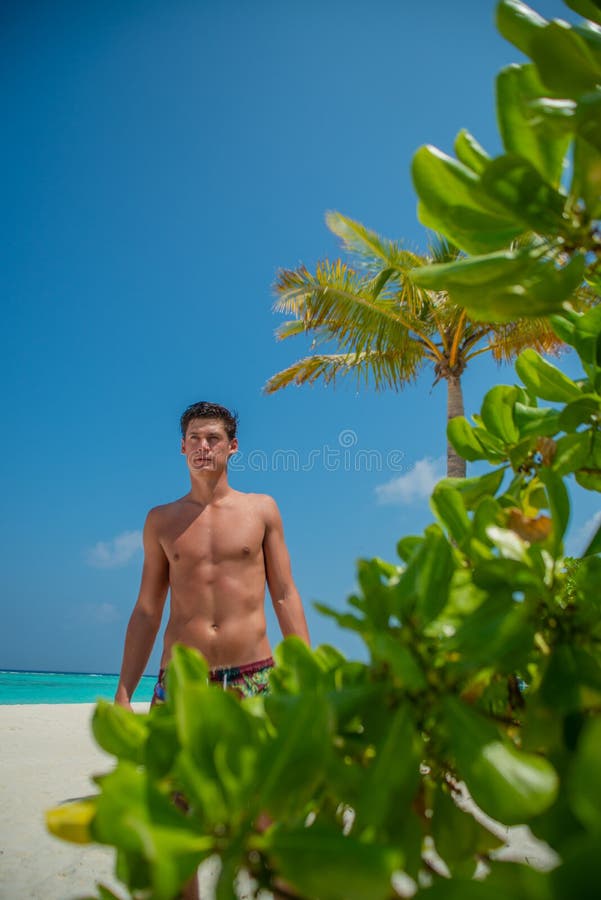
(146, 617)
(284, 595)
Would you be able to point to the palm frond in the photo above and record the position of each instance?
(507, 341)
(441, 250)
(385, 369)
(343, 302)
(372, 251)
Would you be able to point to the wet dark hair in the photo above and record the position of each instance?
(204, 410)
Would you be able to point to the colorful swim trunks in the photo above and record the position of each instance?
(248, 680)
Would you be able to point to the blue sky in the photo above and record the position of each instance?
(160, 162)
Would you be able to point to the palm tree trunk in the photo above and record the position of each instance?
(455, 464)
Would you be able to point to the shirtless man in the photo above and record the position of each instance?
(215, 548)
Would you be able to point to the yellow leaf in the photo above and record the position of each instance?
(72, 821)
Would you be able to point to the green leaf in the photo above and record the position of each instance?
(585, 777)
(374, 577)
(321, 862)
(461, 435)
(497, 413)
(348, 702)
(519, 881)
(470, 152)
(120, 731)
(564, 60)
(499, 632)
(425, 582)
(588, 336)
(509, 785)
(581, 120)
(504, 267)
(586, 177)
(585, 410)
(519, 24)
(448, 505)
(451, 202)
(460, 889)
(532, 420)
(162, 744)
(514, 183)
(540, 291)
(589, 479)
(594, 545)
(295, 762)
(472, 490)
(559, 504)
(589, 9)
(580, 875)
(564, 325)
(571, 452)
(297, 668)
(517, 87)
(220, 740)
(407, 546)
(456, 833)
(588, 127)
(105, 894)
(134, 816)
(403, 664)
(344, 620)
(545, 380)
(393, 776)
(186, 667)
(329, 658)
(568, 671)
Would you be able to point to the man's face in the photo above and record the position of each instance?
(206, 445)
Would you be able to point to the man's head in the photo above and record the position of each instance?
(204, 410)
(208, 436)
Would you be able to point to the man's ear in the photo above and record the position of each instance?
(233, 447)
(183, 445)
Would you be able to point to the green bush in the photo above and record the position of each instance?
(485, 668)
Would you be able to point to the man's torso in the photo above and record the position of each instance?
(217, 577)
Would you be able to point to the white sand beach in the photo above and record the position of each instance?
(48, 756)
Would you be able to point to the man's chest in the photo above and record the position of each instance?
(213, 537)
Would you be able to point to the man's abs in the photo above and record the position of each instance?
(233, 640)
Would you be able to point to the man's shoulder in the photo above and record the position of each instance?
(164, 510)
(263, 503)
(267, 506)
(264, 499)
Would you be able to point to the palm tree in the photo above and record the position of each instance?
(384, 328)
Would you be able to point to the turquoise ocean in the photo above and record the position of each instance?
(64, 687)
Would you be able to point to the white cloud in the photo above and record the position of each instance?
(579, 541)
(104, 613)
(114, 553)
(415, 485)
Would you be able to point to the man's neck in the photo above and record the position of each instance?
(208, 487)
